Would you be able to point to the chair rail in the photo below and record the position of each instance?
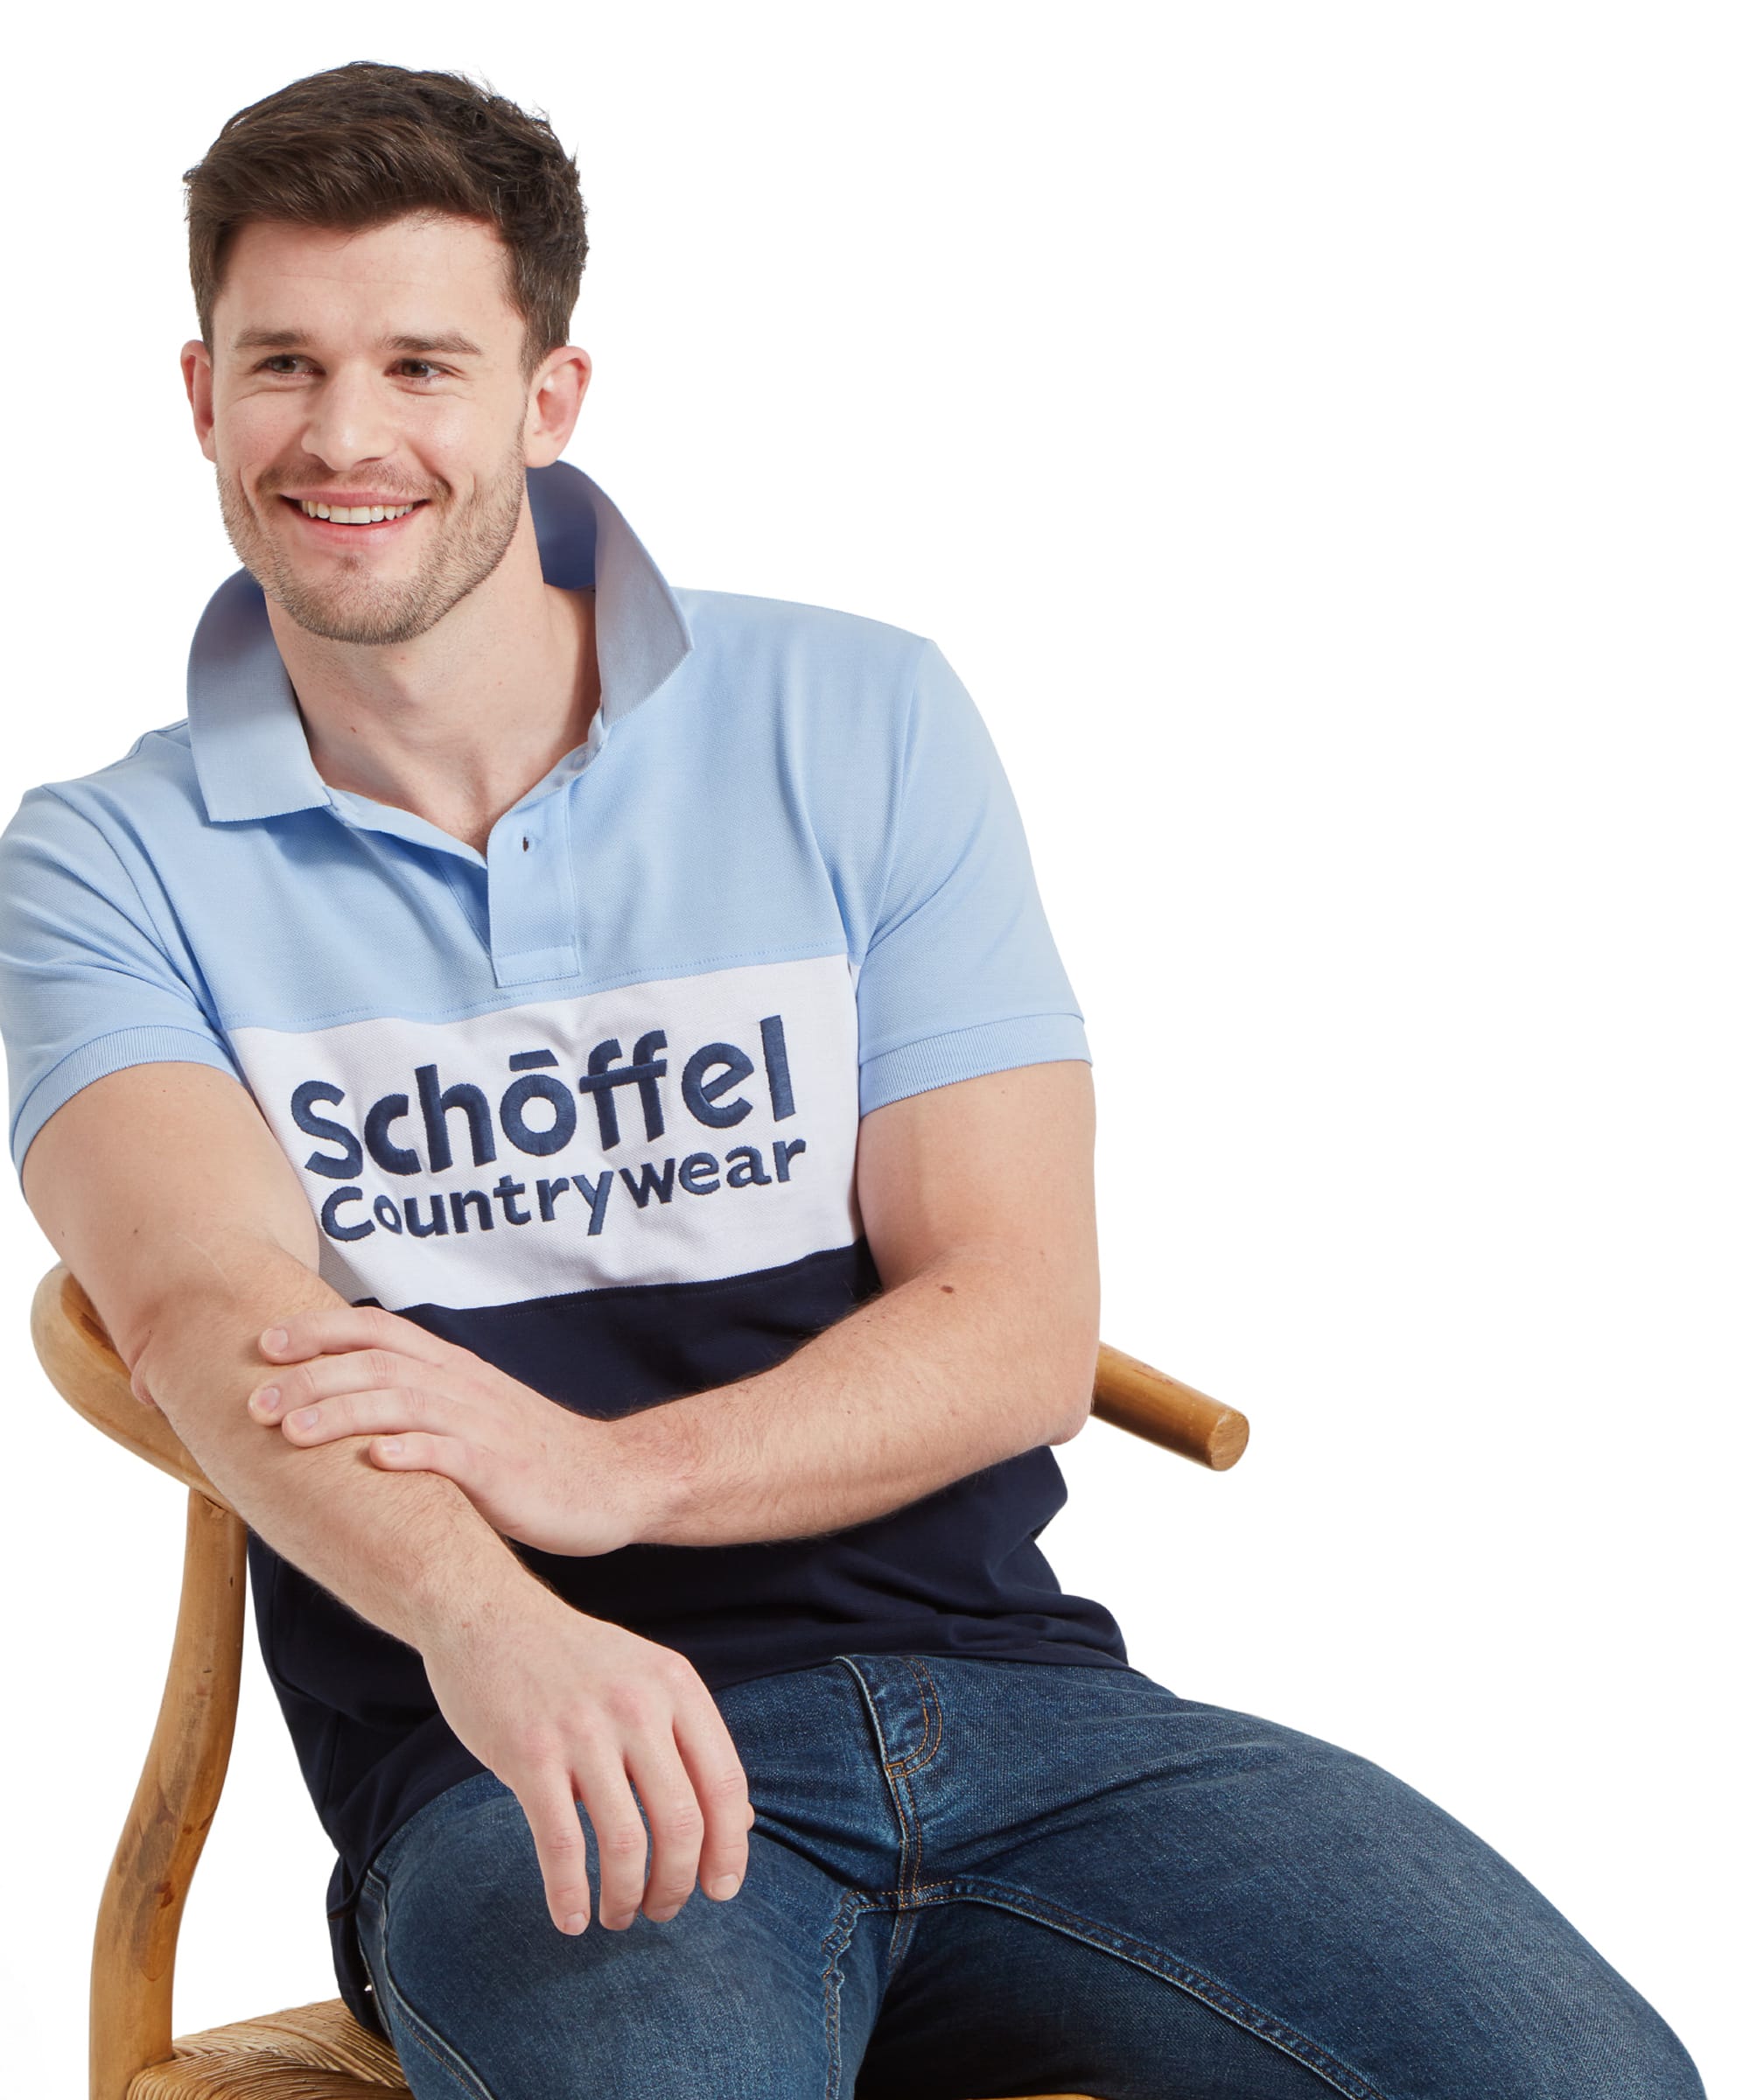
(1135, 1395)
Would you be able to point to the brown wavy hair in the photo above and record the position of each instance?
(361, 144)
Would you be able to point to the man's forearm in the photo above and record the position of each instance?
(971, 1361)
(407, 1551)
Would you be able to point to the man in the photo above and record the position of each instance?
(600, 1046)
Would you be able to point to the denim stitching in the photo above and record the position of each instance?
(416, 2026)
(835, 1946)
(907, 1868)
(911, 1878)
(884, 1759)
(929, 1747)
(1169, 1967)
(931, 1710)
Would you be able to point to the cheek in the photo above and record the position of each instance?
(468, 443)
(253, 433)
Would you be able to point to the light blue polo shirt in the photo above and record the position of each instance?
(587, 1102)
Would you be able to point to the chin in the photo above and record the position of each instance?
(383, 623)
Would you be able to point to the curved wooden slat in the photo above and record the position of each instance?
(74, 1347)
(133, 1956)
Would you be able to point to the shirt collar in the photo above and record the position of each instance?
(250, 751)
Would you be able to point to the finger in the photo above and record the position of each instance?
(331, 1378)
(547, 1802)
(317, 1330)
(449, 1456)
(618, 1833)
(385, 1410)
(675, 1819)
(721, 1793)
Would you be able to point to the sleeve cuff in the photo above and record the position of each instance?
(937, 1060)
(153, 1045)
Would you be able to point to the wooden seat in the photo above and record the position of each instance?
(314, 2052)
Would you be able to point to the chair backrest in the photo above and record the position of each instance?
(133, 1956)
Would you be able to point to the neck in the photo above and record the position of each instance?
(459, 724)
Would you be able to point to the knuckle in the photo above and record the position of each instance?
(725, 1801)
(532, 1754)
(380, 1366)
(631, 1705)
(725, 1786)
(625, 1841)
(682, 1823)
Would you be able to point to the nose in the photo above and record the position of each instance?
(350, 420)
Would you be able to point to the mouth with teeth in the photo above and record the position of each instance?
(354, 515)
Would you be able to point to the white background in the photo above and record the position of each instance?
(1313, 434)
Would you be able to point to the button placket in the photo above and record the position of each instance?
(533, 933)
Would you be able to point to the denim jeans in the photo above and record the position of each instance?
(971, 1878)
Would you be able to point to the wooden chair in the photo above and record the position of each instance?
(314, 2052)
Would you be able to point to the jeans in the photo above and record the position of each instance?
(973, 1878)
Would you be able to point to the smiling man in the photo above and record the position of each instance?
(563, 1091)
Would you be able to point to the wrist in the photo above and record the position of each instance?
(469, 1582)
(647, 1461)
(481, 1616)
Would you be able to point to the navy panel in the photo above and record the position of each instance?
(614, 1350)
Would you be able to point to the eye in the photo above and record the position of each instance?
(281, 364)
(419, 367)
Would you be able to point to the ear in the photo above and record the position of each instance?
(554, 397)
(196, 364)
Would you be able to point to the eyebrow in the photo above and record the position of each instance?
(408, 346)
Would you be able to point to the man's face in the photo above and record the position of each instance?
(367, 371)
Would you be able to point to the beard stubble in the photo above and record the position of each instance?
(358, 607)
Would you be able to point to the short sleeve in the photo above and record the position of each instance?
(86, 985)
(961, 976)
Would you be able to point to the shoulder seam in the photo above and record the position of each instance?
(925, 643)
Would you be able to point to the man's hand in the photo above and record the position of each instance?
(552, 1702)
(533, 1470)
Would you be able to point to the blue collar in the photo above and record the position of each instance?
(249, 749)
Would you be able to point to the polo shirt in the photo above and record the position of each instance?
(586, 1102)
